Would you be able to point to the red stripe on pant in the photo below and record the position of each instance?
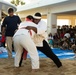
(25, 54)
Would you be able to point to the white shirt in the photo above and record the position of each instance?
(41, 33)
(24, 31)
(27, 23)
(42, 27)
(50, 37)
(67, 35)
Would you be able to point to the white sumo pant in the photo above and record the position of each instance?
(25, 41)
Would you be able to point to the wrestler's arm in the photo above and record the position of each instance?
(32, 28)
(29, 26)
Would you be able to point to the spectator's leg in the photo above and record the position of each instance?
(9, 46)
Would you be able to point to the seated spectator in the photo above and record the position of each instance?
(70, 28)
(58, 29)
(65, 43)
(73, 47)
(50, 39)
(61, 34)
(2, 40)
(56, 36)
(67, 34)
(56, 40)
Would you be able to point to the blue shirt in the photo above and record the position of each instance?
(11, 24)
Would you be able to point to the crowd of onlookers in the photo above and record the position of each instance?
(65, 38)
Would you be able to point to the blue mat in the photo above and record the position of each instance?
(62, 54)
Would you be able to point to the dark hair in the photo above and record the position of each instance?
(37, 14)
(67, 31)
(30, 17)
(10, 10)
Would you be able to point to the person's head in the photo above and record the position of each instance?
(70, 26)
(67, 31)
(29, 18)
(50, 34)
(58, 27)
(11, 11)
(37, 17)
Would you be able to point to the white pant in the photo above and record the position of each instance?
(9, 45)
(25, 41)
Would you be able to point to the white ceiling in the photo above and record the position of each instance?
(38, 4)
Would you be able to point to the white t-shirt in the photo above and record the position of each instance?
(25, 31)
(42, 27)
(27, 23)
(50, 38)
(41, 34)
(67, 35)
